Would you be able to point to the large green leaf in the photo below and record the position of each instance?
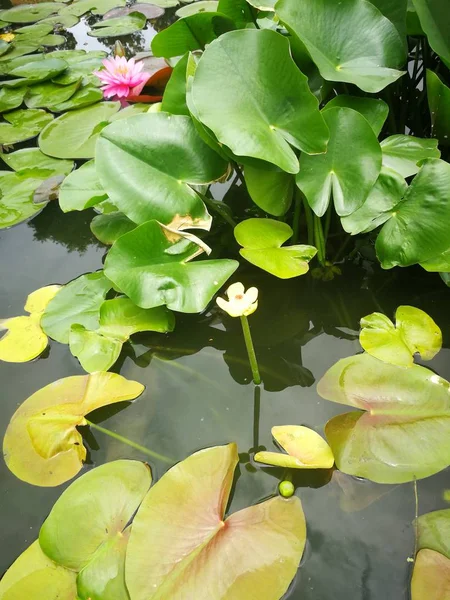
(270, 190)
(78, 303)
(30, 159)
(81, 189)
(239, 92)
(349, 169)
(49, 94)
(179, 549)
(84, 96)
(40, 70)
(146, 164)
(33, 575)
(92, 511)
(238, 10)
(434, 531)
(109, 227)
(373, 109)
(414, 332)
(30, 13)
(97, 7)
(81, 64)
(196, 7)
(434, 18)
(23, 125)
(438, 264)
(262, 240)
(402, 153)
(395, 11)
(151, 266)
(439, 104)
(174, 99)
(119, 26)
(419, 228)
(17, 196)
(403, 433)
(431, 576)
(42, 444)
(190, 33)
(11, 98)
(349, 41)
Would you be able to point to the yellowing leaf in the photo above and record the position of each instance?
(431, 577)
(25, 339)
(42, 445)
(305, 449)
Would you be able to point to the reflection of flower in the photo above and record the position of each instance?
(122, 77)
(241, 303)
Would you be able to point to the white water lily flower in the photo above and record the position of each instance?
(240, 302)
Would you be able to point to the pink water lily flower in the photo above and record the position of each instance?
(122, 78)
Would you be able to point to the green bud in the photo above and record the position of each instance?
(286, 489)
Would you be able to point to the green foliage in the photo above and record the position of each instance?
(119, 26)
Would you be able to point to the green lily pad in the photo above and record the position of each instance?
(401, 431)
(263, 4)
(434, 531)
(62, 20)
(435, 21)
(149, 10)
(198, 7)
(414, 332)
(174, 99)
(193, 540)
(262, 240)
(85, 96)
(17, 196)
(94, 351)
(402, 153)
(110, 227)
(439, 103)
(438, 264)
(374, 110)
(8, 65)
(249, 88)
(23, 125)
(152, 265)
(119, 26)
(96, 7)
(395, 11)
(350, 42)
(80, 64)
(42, 445)
(32, 158)
(30, 13)
(349, 169)
(239, 12)
(77, 303)
(40, 70)
(81, 189)
(160, 155)
(11, 98)
(431, 576)
(33, 32)
(305, 449)
(47, 94)
(270, 190)
(18, 50)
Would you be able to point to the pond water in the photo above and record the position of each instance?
(199, 393)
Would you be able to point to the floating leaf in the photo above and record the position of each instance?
(239, 12)
(94, 509)
(374, 110)
(174, 99)
(439, 103)
(149, 10)
(152, 266)
(435, 21)
(349, 169)
(402, 153)
(262, 240)
(434, 531)
(84, 96)
(431, 576)
(94, 351)
(403, 433)
(198, 7)
(25, 339)
(159, 156)
(270, 190)
(119, 26)
(23, 125)
(97, 7)
(305, 449)
(11, 98)
(179, 549)
(81, 189)
(226, 82)
(81, 64)
(414, 332)
(263, 4)
(49, 94)
(110, 227)
(78, 303)
(30, 13)
(350, 42)
(42, 445)
(438, 264)
(32, 158)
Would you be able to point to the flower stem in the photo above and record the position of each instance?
(250, 350)
(125, 440)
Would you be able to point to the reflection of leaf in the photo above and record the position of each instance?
(431, 576)
(180, 549)
(357, 494)
(404, 430)
(41, 445)
(434, 531)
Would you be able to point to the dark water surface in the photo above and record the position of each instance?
(198, 393)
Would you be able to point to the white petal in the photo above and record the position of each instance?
(251, 309)
(235, 289)
(251, 295)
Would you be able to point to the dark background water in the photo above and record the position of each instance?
(198, 393)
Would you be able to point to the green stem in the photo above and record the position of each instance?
(327, 222)
(297, 213)
(125, 440)
(309, 219)
(250, 350)
(319, 240)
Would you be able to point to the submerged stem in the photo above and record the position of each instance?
(416, 524)
(250, 350)
(125, 440)
(319, 240)
(297, 213)
(309, 219)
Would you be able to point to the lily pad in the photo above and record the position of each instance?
(270, 190)
(149, 10)
(32, 158)
(119, 26)
(25, 339)
(439, 103)
(262, 240)
(78, 303)
(197, 7)
(374, 110)
(46, 95)
(402, 429)
(93, 510)
(184, 545)
(11, 98)
(80, 64)
(435, 21)
(23, 125)
(402, 153)
(110, 227)
(414, 332)
(239, 76)
(96, 7)
(83, 97)
(153, 267)
(350, 42)
(431, 576)
(349, 169)
(81, 189)
(434, 531)
(30, 13)
(159, 156)
(305, 449)
(42, 445)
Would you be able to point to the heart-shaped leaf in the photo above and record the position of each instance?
(434, 531)
(23, 125)
(239, 76)
(439, 103)
(375, 111)
(270, 190)
(351, 42)
(414, 332)
(179, 549)
(119, 26)
(81, 189)
(349, 169)
(25, 339)
(77, 303)
(403, 433)
(262, 240)
(84, 96)
(42, 445)
(435, 21)
(305, 449)
(159, 156)
(431, 576)
(110, 227)
(30, 159)
(402, 153)
(92, 511)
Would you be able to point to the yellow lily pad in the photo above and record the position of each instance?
(305, 449)
(25, 339)
(42, 445)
